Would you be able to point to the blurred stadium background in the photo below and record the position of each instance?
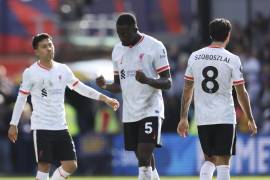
(83, 32)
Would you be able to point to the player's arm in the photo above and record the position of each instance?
(24, 91)
(243, 99)
(163, 82)
(17, 112)
(183, 125)
(114, 87)
(89, 92)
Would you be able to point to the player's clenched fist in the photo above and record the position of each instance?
(113, 103)
(13, 133)
(100, 81)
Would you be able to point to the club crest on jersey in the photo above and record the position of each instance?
(60, 77)
(141, 56)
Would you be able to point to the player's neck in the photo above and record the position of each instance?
(45, 63)
(136, 39)
(216, 44)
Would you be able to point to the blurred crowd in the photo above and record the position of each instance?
(251, 43)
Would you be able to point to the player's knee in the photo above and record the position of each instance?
(44, 167)
(70, 166)
(74, 166)
(211, 159)
(144, 159)
(222, 160)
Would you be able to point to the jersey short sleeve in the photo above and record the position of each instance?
(237, 74)
(189, 72)
(161, 62)
(26, 84)
(72, 81)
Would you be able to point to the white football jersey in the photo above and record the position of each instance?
(47, 89)
(214, 71)
(140, 100)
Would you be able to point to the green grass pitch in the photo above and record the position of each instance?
(135, 178)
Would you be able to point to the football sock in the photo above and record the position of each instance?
(145, 173)
(60, 174)
(42, 176)
(155, 174)
(207, 170)
(223, 172)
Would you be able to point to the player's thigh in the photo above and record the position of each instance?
(150, 130)
(131, 135)
(205, 133)
(225, 140)
(64, 148)
(43, 145)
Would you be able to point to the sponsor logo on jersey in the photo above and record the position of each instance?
(44, 92)
(127, 74)
(122, 74)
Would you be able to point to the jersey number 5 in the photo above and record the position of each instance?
(210, 78)
(148, 128)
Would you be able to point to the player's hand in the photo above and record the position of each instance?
(113, 103)
(100, 81)
(252, 127)
(140, 76)
(13, 133)
(182, 128)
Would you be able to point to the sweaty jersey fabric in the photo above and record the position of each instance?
(47, 89)
(149, 56)
(214, 71)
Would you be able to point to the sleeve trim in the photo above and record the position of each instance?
(238, 82)
(189, 78)
(74, 84)
(164, 68)
(24, 92)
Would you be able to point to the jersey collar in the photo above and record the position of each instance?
(44, 67)
(137, 42)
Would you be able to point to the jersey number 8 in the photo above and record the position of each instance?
(208, 78)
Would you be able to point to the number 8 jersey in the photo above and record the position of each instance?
(214, 71)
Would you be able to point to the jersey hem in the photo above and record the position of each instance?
(131, 121)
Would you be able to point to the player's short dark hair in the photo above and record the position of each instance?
(126, 19)
(39, 37)
(219, 29)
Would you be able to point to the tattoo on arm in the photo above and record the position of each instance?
(186, 98)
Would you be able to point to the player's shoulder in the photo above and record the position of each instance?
(31, 69)
(117, 47)
(152, 41)
(234, 59)
(196, 52)
(62, 67)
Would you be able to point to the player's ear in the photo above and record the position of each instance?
(135, 29)
(36, 52)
